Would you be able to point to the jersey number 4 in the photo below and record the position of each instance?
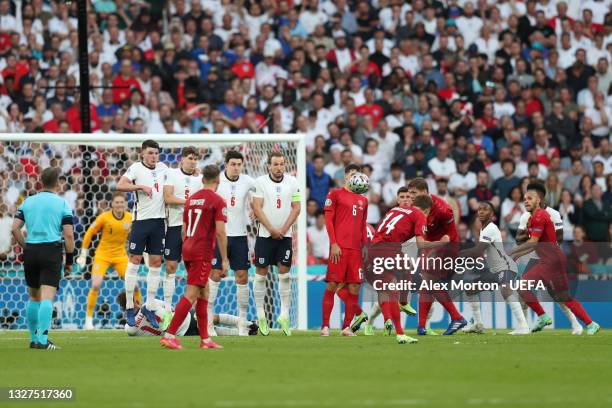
(389, 223)
(192, 223)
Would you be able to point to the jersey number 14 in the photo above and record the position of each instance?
(389, 223)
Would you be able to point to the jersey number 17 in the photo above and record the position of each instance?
(192, 221)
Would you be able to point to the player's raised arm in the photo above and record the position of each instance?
(89, 234)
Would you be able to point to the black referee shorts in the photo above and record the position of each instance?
(42, 264)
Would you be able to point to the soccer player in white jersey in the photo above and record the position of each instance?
(179, 185)
(236, 189)
(276, 204)
(501, 266)
(522, 236)
(145, 179)
(226, 324)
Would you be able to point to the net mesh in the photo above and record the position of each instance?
(89, 175)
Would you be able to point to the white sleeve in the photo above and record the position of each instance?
(169, 178)
(488, 234)
(131, 172)
(555, 217)
(259, 190)
(524, 220)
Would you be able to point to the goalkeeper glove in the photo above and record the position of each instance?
(82, 258)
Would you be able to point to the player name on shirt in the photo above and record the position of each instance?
(277, 199)
(146, 207)
(184, 185)
(236, 194)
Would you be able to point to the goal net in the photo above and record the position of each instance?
(91, 165)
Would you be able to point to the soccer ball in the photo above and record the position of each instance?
(359, 183)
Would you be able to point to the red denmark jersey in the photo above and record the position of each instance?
(540, 225)
(202, 209)
(441, 221)
(401, 224)
(345, 218)
(370, 232)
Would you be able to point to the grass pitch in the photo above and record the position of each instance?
(108, 369)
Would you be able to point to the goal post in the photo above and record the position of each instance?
(257, 146)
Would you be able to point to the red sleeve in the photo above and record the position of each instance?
(420, 224)
(185, 213)
(536, 226)
(221, 210)
(450, 226)
(364, 224)
(330, 215)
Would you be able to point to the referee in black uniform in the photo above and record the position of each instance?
(48, 221)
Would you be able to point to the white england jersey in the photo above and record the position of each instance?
(277, 198)
(236, 195)
(497, 258)
(555, 217)
(143, 325)
(184, 185)
(146, 208)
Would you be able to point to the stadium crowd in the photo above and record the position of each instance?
(479, 96)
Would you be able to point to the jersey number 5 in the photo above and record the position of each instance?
(192, 223)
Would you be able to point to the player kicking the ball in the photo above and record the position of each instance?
(501, 266)
(276, 204)
(180, 183)
(440, 222)
(115, 226)
(145, 179)
(345, 219)
(551, 268)
(235, 188)
(204, 220)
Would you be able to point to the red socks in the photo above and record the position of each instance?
(385, 308)
(446, 302)
(579, 311)
(180, 313)
(346, 296)
(202, 315)
(425, 302)
(532, 302)
(395, 316)
(328, 306)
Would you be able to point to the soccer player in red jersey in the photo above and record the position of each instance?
(399, 225)
(345, 220)
(204, 221)
(551, 268)
(440, 224)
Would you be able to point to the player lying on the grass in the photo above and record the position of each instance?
(236, 189)
(115, 225)
(145, 179)
(440, 222)
(179, 184)
(276, 204)
(225, 324)
(522, 236)
(551, 268)
(345, 221)
(204, 221)
(501, 266)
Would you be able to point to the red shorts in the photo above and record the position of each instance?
(435, 260)
(553, 273)
(348, 269)
(197, 272)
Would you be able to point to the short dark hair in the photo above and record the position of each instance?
(538, 188)
(210, 173)
(350, 167)
(117, 194)
(402, 189)
(419, 183)
(189, 150)
(233, 154)
(150, 143)
(508, 161)
(50, 177)
(274, 154)
(317, 156)
(423, 202)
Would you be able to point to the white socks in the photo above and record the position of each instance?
(153, 279)
(474, 302)
(228, 320)
(213, 288)
(169, 285)
(242, 297)
(284, 288)
(374, 313)
(131, 279)
(259, 293)
(517, 311)
(570, 316)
